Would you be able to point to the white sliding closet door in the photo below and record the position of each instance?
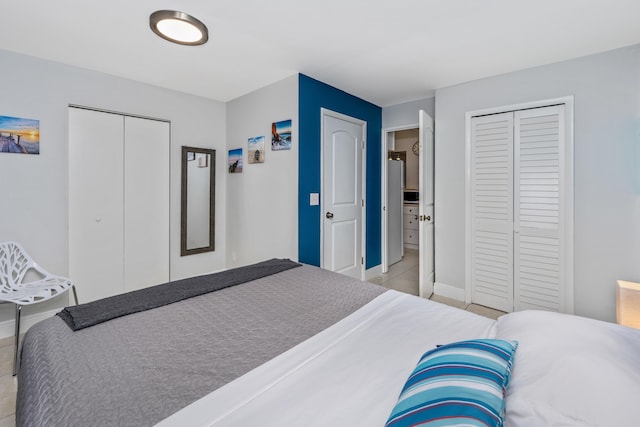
(96, 185)
(146, 203)
(118, 203)
(492, 211)
(520, 190)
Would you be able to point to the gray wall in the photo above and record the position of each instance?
(33, 205)
(606, 90)
(262, 201)
(406, 114)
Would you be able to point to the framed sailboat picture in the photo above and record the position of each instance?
(255, 152)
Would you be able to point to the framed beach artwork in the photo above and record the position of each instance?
(18, 135)
(235, 160)
(281, 135)
(255, 151)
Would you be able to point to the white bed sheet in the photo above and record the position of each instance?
(571, 371)
(349, 374)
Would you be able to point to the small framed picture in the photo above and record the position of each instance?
(256, 149)
(281, 135)
(235, 160)
(19, 135)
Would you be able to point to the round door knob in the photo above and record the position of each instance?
(329, 215)
(428, 218)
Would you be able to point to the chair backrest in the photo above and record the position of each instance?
(14, 264)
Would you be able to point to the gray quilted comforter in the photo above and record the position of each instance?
(138, 369)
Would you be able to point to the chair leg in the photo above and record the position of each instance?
(75, 295)
(15, 349)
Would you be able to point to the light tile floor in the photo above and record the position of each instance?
(8, 384)
(403, 276)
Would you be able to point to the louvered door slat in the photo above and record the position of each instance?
(492, 211)
(538, 267)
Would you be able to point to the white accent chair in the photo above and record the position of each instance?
(14, 265)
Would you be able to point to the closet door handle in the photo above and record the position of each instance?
(329, 215)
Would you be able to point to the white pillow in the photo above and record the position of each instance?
(586, 370)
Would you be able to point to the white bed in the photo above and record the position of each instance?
(568, 370)
(307, 347)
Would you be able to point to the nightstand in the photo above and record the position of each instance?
(628, 304)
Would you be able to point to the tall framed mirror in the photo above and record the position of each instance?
(198, 201)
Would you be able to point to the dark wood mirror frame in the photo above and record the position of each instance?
(212, 200)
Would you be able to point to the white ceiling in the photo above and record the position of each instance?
(384, 51)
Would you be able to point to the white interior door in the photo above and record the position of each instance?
(342, 190)
(95, 203)
(426, 173)
(388, 144)
(146, 203)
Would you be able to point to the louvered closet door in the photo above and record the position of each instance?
(539, 209)
(492, 210)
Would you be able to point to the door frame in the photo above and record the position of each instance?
(324, 112)
(383, 186)
(569, 178)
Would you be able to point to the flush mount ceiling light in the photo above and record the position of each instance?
(178, 27)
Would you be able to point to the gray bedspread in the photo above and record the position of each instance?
(95, 312)
(138, 369)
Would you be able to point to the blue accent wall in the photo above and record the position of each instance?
(314, 95)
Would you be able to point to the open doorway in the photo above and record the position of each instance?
(400, 199)
(414, 143)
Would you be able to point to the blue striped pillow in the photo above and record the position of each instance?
(459, 383)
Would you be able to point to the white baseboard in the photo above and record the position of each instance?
(373, 272)
(448, 291)
(8, 327)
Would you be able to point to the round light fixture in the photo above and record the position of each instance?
(178, 27)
